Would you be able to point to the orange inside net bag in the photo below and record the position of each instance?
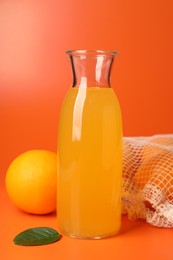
(147, 191)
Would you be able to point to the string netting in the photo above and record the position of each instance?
(148, 179)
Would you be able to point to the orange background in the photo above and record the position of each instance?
(35, 73)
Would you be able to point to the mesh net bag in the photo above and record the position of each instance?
(148, 179)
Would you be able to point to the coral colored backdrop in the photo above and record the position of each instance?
(35, 73)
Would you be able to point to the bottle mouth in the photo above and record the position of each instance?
(91, 53)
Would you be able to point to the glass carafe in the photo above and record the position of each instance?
(90, 150)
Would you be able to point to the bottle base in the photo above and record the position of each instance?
(90, 237)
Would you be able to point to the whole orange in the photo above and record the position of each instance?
(31, 181)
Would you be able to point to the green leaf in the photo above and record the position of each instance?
(37, 236)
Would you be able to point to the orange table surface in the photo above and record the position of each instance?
(136, 240)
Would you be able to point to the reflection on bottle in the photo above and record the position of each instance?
(99, 64)
(78, 110)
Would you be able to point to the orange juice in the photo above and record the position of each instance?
(90, 159)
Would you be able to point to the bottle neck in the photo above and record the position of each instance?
(91, 68)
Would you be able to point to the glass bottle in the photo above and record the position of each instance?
(90, 150)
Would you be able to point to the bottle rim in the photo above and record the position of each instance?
(91, 53)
